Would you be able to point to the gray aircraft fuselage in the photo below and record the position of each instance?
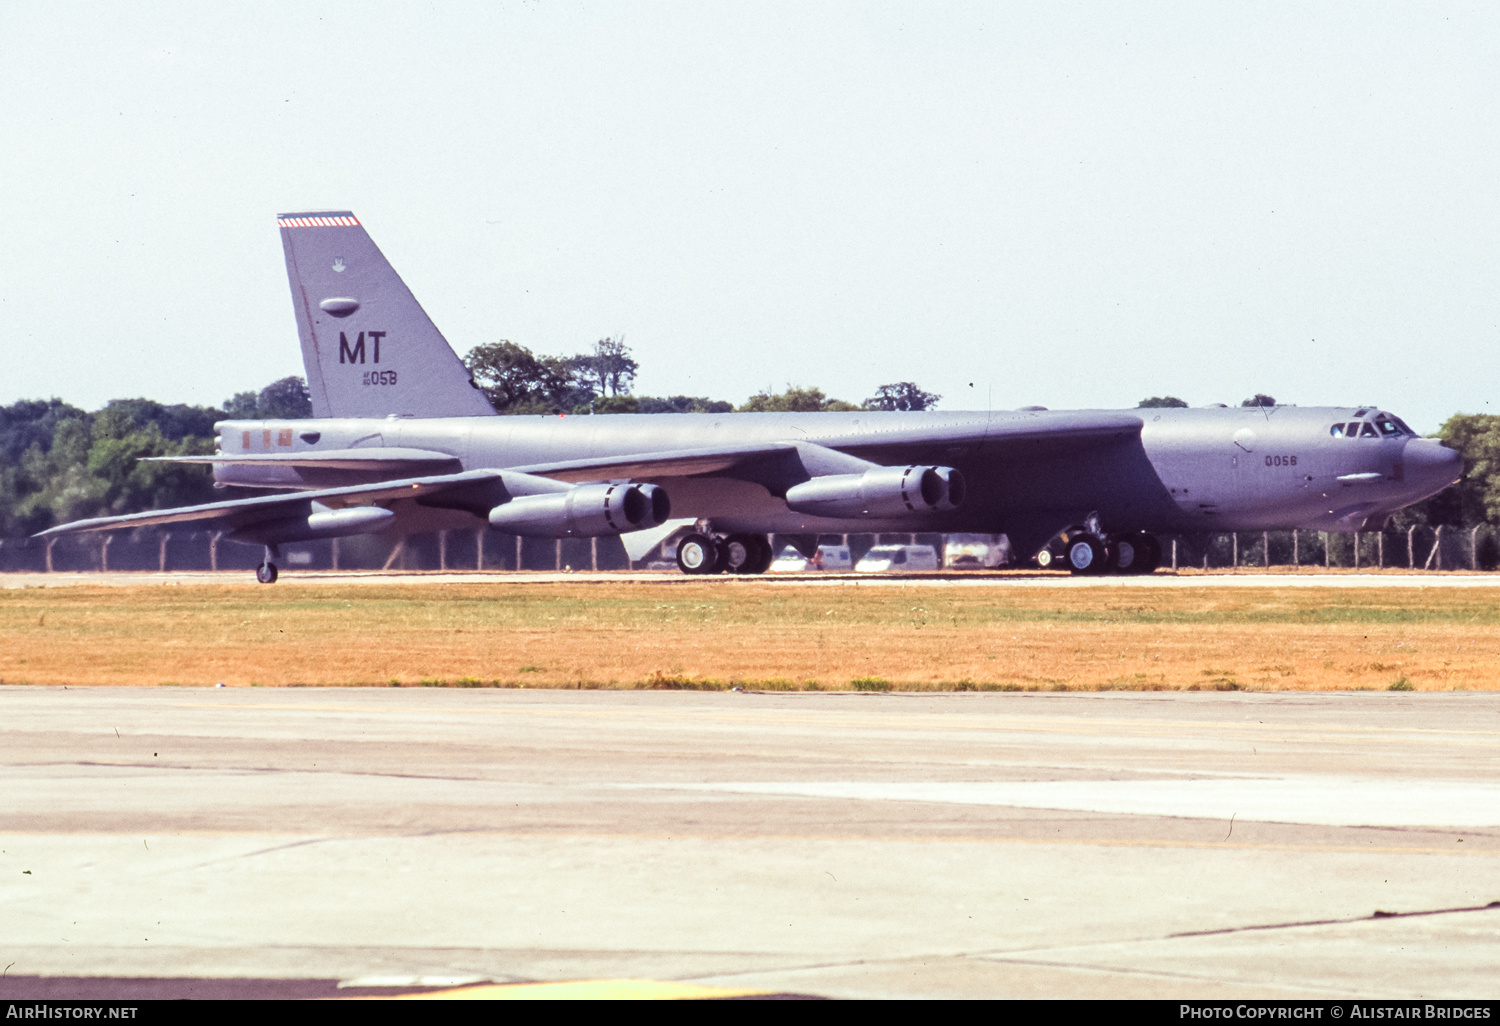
(1162, 471)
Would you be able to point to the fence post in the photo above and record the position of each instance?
(1437, 552)
(557, 554)
(518, 552)
(1411, 560)
(1174, 554)
(1327, 551)
(594, 553)
(1265, 546)
(333, 553)
(161, 552)
(104, 552)
(1356, 550)
(1380, 549)
(1234, 550)
(50, 542)
(1296, 556)
(442, 550)
(213, 549)
(479, 548)
(1474, 547)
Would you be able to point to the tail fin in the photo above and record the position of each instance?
(369, 348)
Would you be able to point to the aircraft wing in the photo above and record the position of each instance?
(373, 458)
(236, 513)
(1009, 435)
(672, 463)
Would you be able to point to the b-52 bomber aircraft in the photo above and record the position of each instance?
(403, 441)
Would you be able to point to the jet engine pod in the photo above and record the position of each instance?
(584, 511)
(881, 492)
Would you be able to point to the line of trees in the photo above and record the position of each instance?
(518, 381)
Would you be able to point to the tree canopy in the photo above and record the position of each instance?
(902, 395)
(1161, 402)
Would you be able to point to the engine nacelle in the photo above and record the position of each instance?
(584, 511)
(885, 492)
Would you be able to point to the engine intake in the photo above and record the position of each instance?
(584, 511)
(883, 492)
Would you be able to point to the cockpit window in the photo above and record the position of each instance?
(1337, 431)
(1403, 425)
(1368, 431)
(1387, 427)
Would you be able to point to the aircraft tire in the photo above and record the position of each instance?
(1045, 559)
(698, 554)
(1124, 555)
(740, 553)
(1148, 556)
(1086, 554)
(764, 555)
(266, 573)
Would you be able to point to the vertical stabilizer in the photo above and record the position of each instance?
(369, 348)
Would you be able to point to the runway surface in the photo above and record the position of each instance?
(994, 579)
(318, 842)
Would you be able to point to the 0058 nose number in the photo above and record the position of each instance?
(1281, 461)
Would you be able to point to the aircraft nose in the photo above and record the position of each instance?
(1431, 466)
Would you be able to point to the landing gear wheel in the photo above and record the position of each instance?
(266, 573)
(1147, 554)
(1125, 555)
(1046, 558)
(739, 552)
(765, 555)
(698, 554)
(1085, 554)
(747, 553)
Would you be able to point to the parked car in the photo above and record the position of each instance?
(976, 551)
(828, 557)
(898, 557)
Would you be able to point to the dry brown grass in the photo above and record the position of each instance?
(724, 633)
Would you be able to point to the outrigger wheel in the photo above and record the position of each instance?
(698, 554)
(266, 573)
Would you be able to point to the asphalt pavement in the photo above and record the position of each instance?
(358, 841)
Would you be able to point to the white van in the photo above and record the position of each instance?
(905, 558)
(828, 557)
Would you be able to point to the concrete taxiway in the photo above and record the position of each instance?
(1310, 578)
(1099, 845)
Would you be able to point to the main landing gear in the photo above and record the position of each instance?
(736, 554)
(1084, 552)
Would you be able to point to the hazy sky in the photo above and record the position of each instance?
(1067, 204)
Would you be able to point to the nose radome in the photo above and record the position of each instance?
(1431, 464)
